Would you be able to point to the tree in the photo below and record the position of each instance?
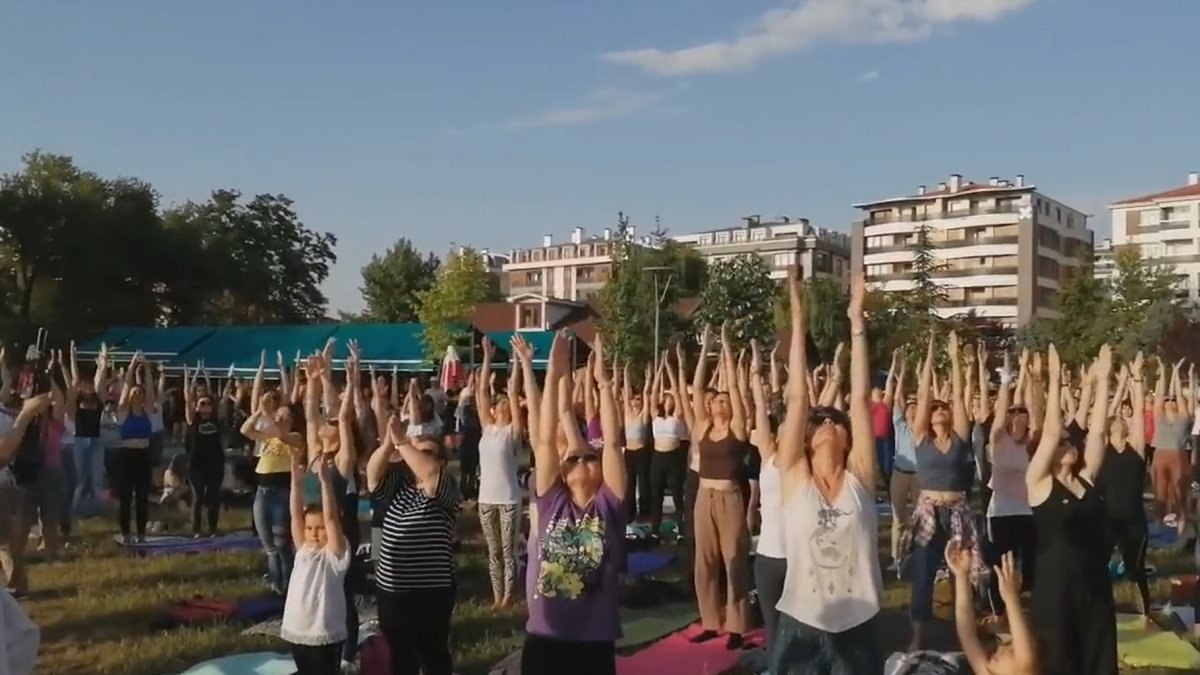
(627, 301)
(392, 283)
(740, 291)
(826, 302)
(445, 307)
(922, 301)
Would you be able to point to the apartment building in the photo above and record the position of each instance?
(784, 244)
(1002, 246)
(572, 270)
(1165, 226)
(1104, 263)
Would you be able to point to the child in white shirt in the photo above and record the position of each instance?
(314, 615)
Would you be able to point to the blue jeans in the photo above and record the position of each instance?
(926, 560)
(274, 525)
(87, 456)
(801, 649)
(885, 453)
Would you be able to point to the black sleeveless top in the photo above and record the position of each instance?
(1121, 482)
(1069, 541)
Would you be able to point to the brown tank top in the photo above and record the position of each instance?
(723, 459)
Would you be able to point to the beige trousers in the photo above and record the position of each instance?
(722, 543)
(904, 490)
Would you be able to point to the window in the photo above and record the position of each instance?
(740, 235)
(568, 251)
(1058, 214)
(585, 250)
(601, 249)
(706, 240)
(722, 237)
(585, 274)
(529, 317)
(758, 234)
(785, 259)
(537, 255)
(534, 278)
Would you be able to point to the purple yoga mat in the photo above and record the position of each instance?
(185, 545)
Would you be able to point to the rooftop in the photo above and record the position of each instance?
(1189, 191)
(957, 186)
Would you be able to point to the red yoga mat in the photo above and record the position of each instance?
(676, 654)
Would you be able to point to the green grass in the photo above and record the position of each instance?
(97, 606)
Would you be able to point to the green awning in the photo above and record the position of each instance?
(383, 344)
(163, 343)
(540, 340)
(242, 346)
(113, 338)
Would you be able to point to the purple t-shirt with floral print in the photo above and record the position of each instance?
(574, 566)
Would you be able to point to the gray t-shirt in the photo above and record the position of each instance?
(1171, 435)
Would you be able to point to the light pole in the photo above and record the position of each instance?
(658, 300)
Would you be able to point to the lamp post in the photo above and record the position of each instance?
(658, 300)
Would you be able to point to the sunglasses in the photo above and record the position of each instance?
(823, 415)
(1018, 410)
(585, 458)
(939, 405)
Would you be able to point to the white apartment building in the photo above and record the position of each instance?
(572, 270)
(1165, 226)
(1104, 264)
(784, 244)
(1002, 246)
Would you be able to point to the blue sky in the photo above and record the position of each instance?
(492, 123)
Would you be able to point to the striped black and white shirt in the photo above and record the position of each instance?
(417, 548)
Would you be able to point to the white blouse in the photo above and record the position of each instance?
(314, 613)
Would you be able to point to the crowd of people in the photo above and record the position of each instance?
(776, 467)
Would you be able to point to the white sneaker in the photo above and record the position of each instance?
(1169, 520)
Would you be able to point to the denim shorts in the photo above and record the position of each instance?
(800, 649)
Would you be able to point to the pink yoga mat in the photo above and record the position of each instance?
(675, 654)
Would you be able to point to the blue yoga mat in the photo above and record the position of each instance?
(260, 609)
(1162, 537)
(254, 663)
(161, 545)
(645, 563)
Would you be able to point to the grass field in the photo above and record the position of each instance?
(96, 607)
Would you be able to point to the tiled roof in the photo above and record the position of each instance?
(1176, 193)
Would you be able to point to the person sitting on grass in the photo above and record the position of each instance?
(314, 615)
(1018, 656)
(579, 493)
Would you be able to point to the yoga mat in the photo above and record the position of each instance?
(645, 563)
(368, 625)
(260, 609)
(643, 626)
(883, 509)
(254, 663)
(1153, 647)
(165, 545)
(676, 654)
(1162, 537)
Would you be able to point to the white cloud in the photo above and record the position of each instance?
(600, 105)
(809, 22)
(868, 76)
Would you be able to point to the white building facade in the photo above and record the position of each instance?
(1165, 227)
(784, 244)
(1003, 248)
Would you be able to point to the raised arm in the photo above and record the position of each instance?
(762, 420)
(684, 404)
(533, 397)
(1094, 451)
(612, 463)
(862, 461)
(483, 387)
(1003, 402)
(347, 454)
(958, 408)
(1137, 390)
(1160, 389)
(545, 444)
(256, 389)
(920, 425)
(737, 407)
(793, 434)
(381, 458)
(513, 392)
(189, 407)
(699, 380)
(1038, 475)
(889, 386)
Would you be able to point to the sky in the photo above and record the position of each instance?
(493, 123)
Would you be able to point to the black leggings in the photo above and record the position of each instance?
(666, 472)
(1130, 538)
(416, 626)
(131, 480)
(548, 656)
(206, 480)
(319, 660)
(637, 477)
(1016, 535)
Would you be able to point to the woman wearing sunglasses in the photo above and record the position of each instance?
(942, 438)
(205, 453)
(828, 469)
(1010, 519)
(579, 493)
(1072, 610)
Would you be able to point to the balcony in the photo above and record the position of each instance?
(940, 215)
(948, 243)
(946, 274)
(1164, 226)
(980, 302)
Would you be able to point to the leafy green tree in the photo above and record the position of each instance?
(826, 302)
(392, 283)
(627, 301)
(740, 291)
(445, 308)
